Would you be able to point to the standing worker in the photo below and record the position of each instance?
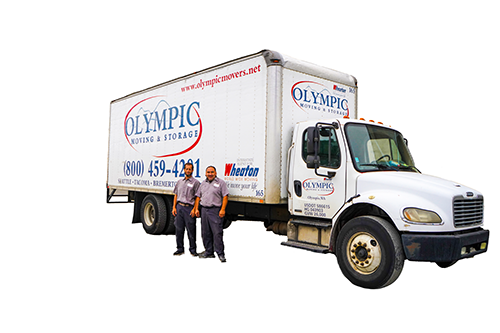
(211, 198)
(184, 212)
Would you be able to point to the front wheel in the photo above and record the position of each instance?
(369, 252)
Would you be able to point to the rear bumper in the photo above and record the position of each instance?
(445, 248)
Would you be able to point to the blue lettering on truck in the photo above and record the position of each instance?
(153, 121)
(248, 171)
(310, 95)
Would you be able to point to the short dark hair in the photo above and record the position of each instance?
(211, 166)
(189, 163)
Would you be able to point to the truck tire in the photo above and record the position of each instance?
(153, 214)
(369, 252)
(169, 226)
(226, 223)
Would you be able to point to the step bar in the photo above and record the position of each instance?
(306, 246)
(309, 234)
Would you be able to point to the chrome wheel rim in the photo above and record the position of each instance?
(149, 214)
(363, 253)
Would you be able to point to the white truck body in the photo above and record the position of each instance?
(284, 136)
(238, 117)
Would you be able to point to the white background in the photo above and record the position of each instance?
(71, 263)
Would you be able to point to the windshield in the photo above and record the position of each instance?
(375, 148)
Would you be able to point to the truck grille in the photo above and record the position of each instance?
(467, 212)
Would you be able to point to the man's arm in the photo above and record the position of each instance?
(174, 210)
(196, 204)
(222, 211)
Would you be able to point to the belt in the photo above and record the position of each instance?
(211, 207)
(183, 204)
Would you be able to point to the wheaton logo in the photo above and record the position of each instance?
(248, 171)
(336, 87)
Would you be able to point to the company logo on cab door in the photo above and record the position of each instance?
(310, 95)
(318, 186)
(161, 129)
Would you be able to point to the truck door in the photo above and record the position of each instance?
(319, 191)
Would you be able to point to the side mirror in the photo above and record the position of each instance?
(312, 162)
(312, 140)
(312, 148)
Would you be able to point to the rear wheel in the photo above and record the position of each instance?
(226, 223)
(153, 214)
(369, 252)
(170, 227)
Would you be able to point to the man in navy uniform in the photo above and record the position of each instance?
(211, 199)
(183, 210)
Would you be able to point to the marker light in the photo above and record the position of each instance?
(421, 216)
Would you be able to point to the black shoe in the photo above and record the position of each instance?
(222, 258)
(194, 254)
(178, 253)
(205, 255)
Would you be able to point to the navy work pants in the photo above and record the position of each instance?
(211, 230)
(184, 221)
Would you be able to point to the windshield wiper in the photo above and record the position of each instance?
(380, 166)
(409, 167)
(391, 167)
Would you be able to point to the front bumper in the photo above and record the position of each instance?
(445, 248)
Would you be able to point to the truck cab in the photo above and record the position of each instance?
(354, 190)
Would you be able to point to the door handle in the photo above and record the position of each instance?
(297, 186)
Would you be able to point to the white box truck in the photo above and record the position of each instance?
(284, 135)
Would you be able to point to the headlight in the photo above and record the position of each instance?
(421, 216)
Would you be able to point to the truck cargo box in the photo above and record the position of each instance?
(237, 116)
